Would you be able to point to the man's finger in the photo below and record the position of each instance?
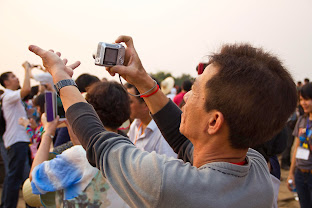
(37, 50)
(122, 70)
(58, 54)
(65, 61)
(74, 65)
(126, 39)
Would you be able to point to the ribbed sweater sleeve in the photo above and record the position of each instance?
(168, 120)
(90, 131)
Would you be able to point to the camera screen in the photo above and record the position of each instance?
(110, 56)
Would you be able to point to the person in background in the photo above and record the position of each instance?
(300, 172)
(34, 127)
(299, 85)
(286, 155)
(167, 87)
(143, 131)
(4, 157)
(270, 150)
(15, 138)
(306, 81)
(186, 86)
(84, 81)
(77, 183)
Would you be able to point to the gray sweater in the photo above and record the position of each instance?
(145, 179)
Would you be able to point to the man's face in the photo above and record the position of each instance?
(192, 119)
(12, 82)
(137, 108)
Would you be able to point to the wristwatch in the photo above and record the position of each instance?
(64, 83)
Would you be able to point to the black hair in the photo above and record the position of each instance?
(306, 91)
(4, 76)
(40, 101)
(86, 80)
(129, 86)
(111, 103)
(187, 85)
(33, 91)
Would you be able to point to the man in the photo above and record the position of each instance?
(306, 81)
(15, 138)
(144, 132)
(234, 105)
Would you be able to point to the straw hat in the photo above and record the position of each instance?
(166, 85)
(30, 198)
(34, 200)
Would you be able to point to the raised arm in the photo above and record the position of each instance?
(26, 84)
(134, 73)
(46, 140)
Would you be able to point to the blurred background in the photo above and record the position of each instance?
(170, 36)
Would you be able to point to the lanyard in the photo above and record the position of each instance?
(304, 140)
(308, 128)
(137, 133)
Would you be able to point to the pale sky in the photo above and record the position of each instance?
(173, 36)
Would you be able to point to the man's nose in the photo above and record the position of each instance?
(186, 96)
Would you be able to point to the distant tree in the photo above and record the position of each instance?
(161, 75)
(179, 80)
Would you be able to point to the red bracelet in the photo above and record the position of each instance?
(142, 96)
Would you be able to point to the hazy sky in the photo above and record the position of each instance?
(172, 36)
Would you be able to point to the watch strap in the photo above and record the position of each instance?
(64, 83)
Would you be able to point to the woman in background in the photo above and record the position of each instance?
(300, 173)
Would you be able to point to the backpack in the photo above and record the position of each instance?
(2, 120)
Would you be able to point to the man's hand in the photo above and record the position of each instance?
(133, 71)
(50, 127)
(291, 177)
(26, 65)
(23, 121)
(54, 64)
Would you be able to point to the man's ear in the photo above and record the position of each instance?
(215, 122)
(6, 82)
(145, 107)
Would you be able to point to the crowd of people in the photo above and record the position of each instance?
(212, 143)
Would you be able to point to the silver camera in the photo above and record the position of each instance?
(110, 54)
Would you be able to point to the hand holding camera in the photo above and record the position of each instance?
(132, 69)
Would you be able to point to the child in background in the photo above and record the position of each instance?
(34, 128)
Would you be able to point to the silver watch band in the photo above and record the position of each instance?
(64, 83)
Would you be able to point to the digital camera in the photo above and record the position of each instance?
(110, 54)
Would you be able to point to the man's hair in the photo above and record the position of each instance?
(306, 91)
(33, 91)
(187, 85)
(111, 103)
(40, 102)
(306, 80)
(4, 76)
(254, 92)
(130, 86)
(86, 80)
